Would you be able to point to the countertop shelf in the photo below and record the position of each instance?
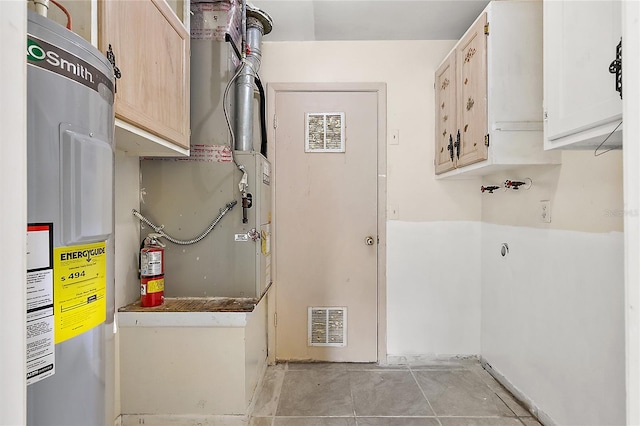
(197, 304)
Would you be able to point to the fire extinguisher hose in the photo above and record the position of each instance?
(159, 229)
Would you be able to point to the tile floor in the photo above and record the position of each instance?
(437, 394)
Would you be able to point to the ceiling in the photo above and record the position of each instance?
(323, 20)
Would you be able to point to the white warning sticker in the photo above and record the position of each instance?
(40, 320)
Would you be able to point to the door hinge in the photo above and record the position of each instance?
(545, 115)
(275, 319)
(450, 146)
(486, 140)
(486, 29)
(111, 57)
(616, 68)
(275, 122)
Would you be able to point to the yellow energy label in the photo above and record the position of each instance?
(80, 287)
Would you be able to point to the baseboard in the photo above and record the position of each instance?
(181, 420)
(528, 403)
(431, 359)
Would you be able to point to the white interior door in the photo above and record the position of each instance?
(325, 213)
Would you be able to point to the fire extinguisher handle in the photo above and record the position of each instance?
(154, 239)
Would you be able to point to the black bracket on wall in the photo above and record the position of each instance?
(616, 68)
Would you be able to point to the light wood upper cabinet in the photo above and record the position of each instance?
(488, 94)
(446, 114)
(582, 106)
(151, 48)
(471, 55)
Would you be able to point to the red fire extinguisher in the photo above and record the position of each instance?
(152, 271)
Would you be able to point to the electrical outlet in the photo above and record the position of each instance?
(545, 211)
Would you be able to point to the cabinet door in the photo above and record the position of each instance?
(446, 126)
(580, 39)
(151, 47)
(472, 89)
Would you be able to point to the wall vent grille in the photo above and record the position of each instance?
(324, 132)
(328, 326)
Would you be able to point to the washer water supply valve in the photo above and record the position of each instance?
(516, 184)
(511, 184)
(489, 189)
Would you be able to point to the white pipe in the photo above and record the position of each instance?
(42, 7)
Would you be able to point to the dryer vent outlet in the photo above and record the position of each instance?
(328, 326)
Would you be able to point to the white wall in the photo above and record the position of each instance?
(127, 245)
(433, 217)
(433, 290)
(13, 212)
(553, 307)
(631, 131)
(127, 229)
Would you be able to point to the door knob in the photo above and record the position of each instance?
(369, 241)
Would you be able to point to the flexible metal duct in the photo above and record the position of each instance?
(258, 24)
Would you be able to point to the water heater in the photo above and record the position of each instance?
(70, 282)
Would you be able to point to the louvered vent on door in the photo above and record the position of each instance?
(324, 132)
(328, 326)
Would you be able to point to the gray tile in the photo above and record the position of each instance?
(513, 404)
(479, 421)
(530, 421)
(485, 376)
(375, 367)
(452, 364)
(314, 421)
(387, 393)
(260, 421)
(442, 367)
(267, 398)
(397, 421)
(324, 366)
(460, 393)
(502, 392)
(315, 393)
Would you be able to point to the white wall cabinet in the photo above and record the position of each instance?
(582, 106)
(151, 47)
(489, 95)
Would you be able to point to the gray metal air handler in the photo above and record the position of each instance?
(186, 194)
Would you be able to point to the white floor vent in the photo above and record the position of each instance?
(328, 326)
